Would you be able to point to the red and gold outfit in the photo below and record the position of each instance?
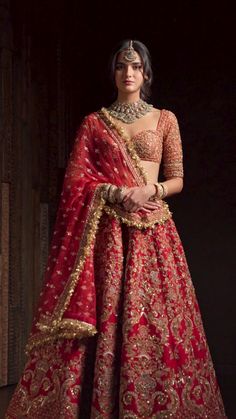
(118, 332)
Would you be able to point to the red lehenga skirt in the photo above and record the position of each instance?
(150, 358)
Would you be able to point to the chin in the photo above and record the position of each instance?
(129, 89)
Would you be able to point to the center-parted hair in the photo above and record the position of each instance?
(144, 54)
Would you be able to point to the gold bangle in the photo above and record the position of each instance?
(165, 190)
(105, 191)
(115, 194)
(111, 193)
(119, 194)
(159, 190)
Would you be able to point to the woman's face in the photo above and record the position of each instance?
(129, 76)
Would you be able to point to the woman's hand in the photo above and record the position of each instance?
(150, 206)
(137, 197)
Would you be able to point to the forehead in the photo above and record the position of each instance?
(120, 57)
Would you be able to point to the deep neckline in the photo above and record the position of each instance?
(148, 130)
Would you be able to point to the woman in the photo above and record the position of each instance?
(118, 333)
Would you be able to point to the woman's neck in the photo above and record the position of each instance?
(128, 98)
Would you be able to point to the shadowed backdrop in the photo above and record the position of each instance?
(54, 62)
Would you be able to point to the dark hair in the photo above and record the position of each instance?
(142, 50)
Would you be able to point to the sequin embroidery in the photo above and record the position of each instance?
(164, 143)
(148, 145)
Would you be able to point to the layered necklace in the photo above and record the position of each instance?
(129, 112)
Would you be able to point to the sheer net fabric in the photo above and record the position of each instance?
(118, 331)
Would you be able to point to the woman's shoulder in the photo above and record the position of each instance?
(164, 111)
(169, 118)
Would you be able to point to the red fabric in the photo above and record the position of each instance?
(150, 358)
(96, 159)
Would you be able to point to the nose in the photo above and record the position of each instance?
(128, 71)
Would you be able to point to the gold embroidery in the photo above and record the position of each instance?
(53, 326)
(65, 329)
(119, 143)
(148, 145)
(135, 220)
(172, 149)
(85, 249)
(152, 359)
(130, 147)
(51, 384)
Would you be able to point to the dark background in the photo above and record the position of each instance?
(192, 44)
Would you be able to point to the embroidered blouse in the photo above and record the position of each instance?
(164, 142)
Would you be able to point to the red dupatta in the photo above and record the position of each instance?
(67, 306)
(164, 366)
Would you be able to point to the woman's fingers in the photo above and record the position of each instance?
(145, 209)
(151, 205)
(132, 206)
(135, 198)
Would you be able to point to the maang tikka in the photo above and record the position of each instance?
(130, 54)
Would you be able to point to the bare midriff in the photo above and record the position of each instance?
(152, 170)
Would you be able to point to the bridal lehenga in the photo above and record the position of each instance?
(118, 332)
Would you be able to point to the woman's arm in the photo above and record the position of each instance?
(174, 185)
(138, 197)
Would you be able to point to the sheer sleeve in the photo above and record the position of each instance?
(172, 149)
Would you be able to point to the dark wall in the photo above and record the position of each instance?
(192, 46)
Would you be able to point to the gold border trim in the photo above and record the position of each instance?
(66, 329)
(140, 222)
(52, 327)
(84, 251)
(104, 114)
(123, 148)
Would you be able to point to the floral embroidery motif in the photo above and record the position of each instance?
(131, 284)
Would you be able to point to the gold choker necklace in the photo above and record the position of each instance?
(129, 112)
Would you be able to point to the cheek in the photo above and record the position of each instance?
(140, 78)
(117, 77)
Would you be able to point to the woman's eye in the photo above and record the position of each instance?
(119, 66)
(137, 66)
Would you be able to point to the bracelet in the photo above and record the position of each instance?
(165, 190)
(161, 190)
(115, 194)
(119, 195)
(111, 194)
(105, 191)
